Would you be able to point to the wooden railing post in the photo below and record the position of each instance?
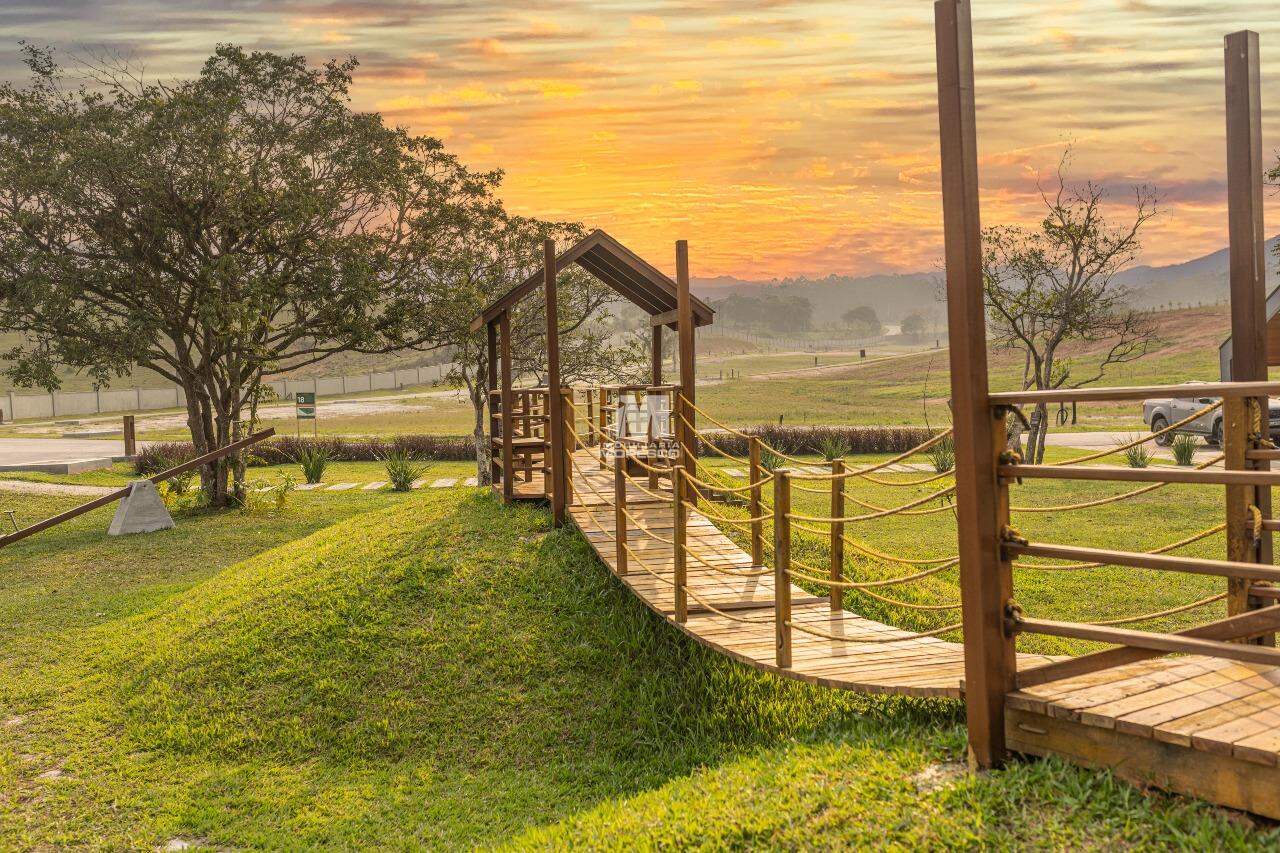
(837, 534)
(650, 397)
(782, 565)
(604, 425)
(757, 505)
(620, 510)
(678, 533)
(570, 442)
(985, 578)
(591, 418)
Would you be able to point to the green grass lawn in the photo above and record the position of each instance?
(434, 670)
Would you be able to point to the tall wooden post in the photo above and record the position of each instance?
(555, 402)
(680, 557)
(655, 357)
(782, 566)
(604, 425)
(490, 386)
(620, 510)
(757, 526)
(1248, 304)
(837, 534)
(985, 579)
(507, 402)
(684, 323)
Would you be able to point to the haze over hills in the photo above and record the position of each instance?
(1201, 280)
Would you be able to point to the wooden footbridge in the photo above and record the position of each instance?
(754, 558)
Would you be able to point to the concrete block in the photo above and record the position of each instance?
(142, 511)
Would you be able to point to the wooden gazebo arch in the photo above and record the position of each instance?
(668, 303)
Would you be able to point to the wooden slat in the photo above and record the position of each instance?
(1137, 392)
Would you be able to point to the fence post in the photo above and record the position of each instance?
(680, 570)
(782, 566)
(837, 534)
(130, 436)
(1241, 500)
(591, 418)
(620, 511)
(757, 526)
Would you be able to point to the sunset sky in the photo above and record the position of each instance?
(780, 137)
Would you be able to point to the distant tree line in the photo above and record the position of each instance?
(771, 312)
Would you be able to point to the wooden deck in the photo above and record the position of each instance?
(916, 667)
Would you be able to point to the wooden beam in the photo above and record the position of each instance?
(1244, 626)
(655, 356)
(1136, 392)
(1163, 643)
(664, 319)
(1248, 303)
(112, 497)
(555, 400)
(508, 400)
(688, 375)
(1162, 474)
(1139, 560)
(985, 580)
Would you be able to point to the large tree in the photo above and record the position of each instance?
(1053, 286)
(215, 230)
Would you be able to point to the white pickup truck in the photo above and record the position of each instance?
(1159, 413)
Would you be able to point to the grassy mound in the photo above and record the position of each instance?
(445, 672)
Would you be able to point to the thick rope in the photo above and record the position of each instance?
(904, 604)
(881, 514)
(1149, 437)
(871, 584)
(1113, 498)
(725, 519)
(872, 552)
(1170, 612)
(1163, 549)
(877, 641)
(737, 573)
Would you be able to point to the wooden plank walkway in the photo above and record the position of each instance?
(923, 666)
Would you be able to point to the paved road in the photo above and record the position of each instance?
(16, 450)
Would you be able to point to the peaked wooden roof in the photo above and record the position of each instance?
(634, 278)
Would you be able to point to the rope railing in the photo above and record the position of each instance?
(1172, 611)
(883, 513)
(737, 573)
(867, 588)
(1209, 463)
(879, 555)
(865, 585)
(1163, 549)
(817, 632)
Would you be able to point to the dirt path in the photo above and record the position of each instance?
(54, 488)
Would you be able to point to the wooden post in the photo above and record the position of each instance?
(680, 566)
(985, 580)
(130, 436)
(555, 403)
(620, 511)
(782, 566)
(837, 534)
(604, 425)
(655, 354)
(1248, 305)
(591, 418)
(684, 323)
(507, 401)
(757, 526)
(491, 385)
(570, 442)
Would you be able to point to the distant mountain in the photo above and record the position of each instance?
(1201, 280)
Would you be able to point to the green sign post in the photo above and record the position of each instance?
(304, 404)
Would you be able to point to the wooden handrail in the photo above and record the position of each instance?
(191, 465)
(1136, 392)
(1151, 641)
(1161, 474)
(1164, 562)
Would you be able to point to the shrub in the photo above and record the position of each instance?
(284, 450)
(1184, 449)
(403, 469)
(832, 446)
(314, 460)
(1138, 456)
(943, 455)
(798, 440)
(260, 499)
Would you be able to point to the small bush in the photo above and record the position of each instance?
(1138, 456)
(403, 469)
(798, 440)
(313, 460)
(943, 455)
(771, 461)
(261, 499)
(1184, 449)
(832, 446)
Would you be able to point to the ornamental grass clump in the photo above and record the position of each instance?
(403, 469)
(1184, 449)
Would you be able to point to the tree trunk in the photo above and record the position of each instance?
(1035, 442)
(484, 470)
